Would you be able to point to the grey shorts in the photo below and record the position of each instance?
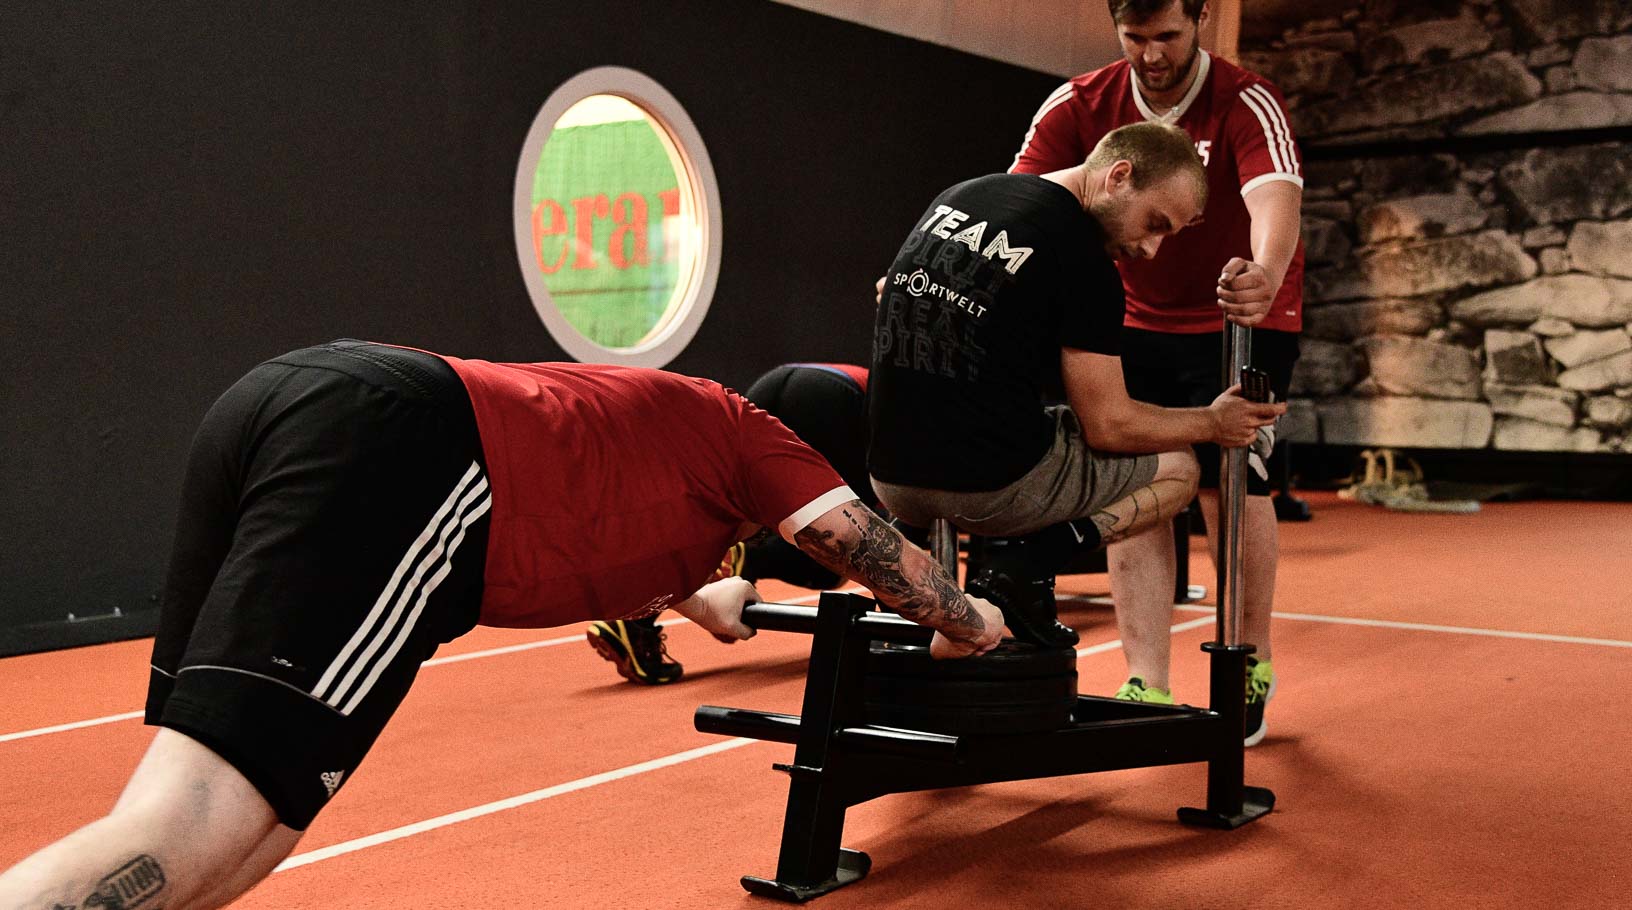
(1071, 481)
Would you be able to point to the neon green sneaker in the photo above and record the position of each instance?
(1136, 690)
(1260, 689)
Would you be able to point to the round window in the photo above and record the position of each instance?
(617, 219)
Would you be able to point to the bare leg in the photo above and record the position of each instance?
(188, 832)
(1260, 555)
(1141, 567)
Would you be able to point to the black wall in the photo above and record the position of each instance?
(189, 188)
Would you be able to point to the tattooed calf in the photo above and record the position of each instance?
(130, 886)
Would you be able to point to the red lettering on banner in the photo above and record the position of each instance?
(630, 241)
(629, 214)
(671, 209)
(584, 213)
(558, 225)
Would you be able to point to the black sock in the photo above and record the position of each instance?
(649, 622)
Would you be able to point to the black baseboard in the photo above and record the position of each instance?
(54, 636)
(1467, 472)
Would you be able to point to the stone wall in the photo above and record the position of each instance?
(1474, 298)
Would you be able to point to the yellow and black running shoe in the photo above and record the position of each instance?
(637, 649)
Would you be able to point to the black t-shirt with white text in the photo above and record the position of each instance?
(998, 275)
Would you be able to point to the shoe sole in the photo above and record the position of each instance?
(614, 652)
(1263, 725)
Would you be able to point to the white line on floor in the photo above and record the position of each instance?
(1112, 645)
(1428, 627)
(60, 728)
(1102, 601)
(433, 662)
(442, 821)
(1082, 652)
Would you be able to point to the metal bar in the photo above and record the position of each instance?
(905, 743)
(810, 856)
(773, 617)
(1226, 769)
(1232, 490)
(776, 728)
(784, 728)
(943, 545)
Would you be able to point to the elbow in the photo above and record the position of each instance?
(1103, 432)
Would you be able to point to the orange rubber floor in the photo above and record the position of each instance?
(1452, 728)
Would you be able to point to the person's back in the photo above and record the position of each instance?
(616, 488)
(997, 275)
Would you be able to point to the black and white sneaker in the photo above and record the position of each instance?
(1028, 607)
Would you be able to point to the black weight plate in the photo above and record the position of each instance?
(904, 690)
(1040, 717)
(1009, 660)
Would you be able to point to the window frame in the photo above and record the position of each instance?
(667, 114)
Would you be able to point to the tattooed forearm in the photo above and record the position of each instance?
(869, 551)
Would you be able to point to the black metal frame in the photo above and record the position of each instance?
(840, 760)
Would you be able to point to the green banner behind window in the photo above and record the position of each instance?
(611, 232)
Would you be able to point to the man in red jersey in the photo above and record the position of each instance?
(1244, 261)
(349, 507)
(826, 405)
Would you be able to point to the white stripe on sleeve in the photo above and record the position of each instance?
(1059, 97)
(1270, 139)
(813, 510)
(1283, 131)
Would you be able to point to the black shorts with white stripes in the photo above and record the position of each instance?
(332, 532)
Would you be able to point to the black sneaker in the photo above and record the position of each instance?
(636, 649)
(1028, 607)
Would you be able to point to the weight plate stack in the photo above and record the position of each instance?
(1015, 688)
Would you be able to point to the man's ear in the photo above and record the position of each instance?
(1119, 178)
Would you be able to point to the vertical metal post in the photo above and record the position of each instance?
(1232, 492)
(1230, 803)
(943, 545)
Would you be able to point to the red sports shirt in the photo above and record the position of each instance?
(616, 489)
(1239, 124)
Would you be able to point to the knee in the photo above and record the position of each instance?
(1181, 467)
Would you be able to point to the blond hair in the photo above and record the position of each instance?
(1157, 151)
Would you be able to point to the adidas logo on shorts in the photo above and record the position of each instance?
(331, 780)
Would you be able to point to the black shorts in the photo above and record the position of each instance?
(825, 407)
(332, 532)
(1185, 371)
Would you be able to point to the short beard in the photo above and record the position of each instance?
(1110, 213)
(1180, 73)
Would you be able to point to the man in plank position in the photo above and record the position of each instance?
(349, 507)
(826, 405)
(1003, 296)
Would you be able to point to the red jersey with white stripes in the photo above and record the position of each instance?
(616, 489)
(1238, 121)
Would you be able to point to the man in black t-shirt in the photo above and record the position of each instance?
(1005, 296)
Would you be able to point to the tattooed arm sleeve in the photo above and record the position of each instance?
(853, 541)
